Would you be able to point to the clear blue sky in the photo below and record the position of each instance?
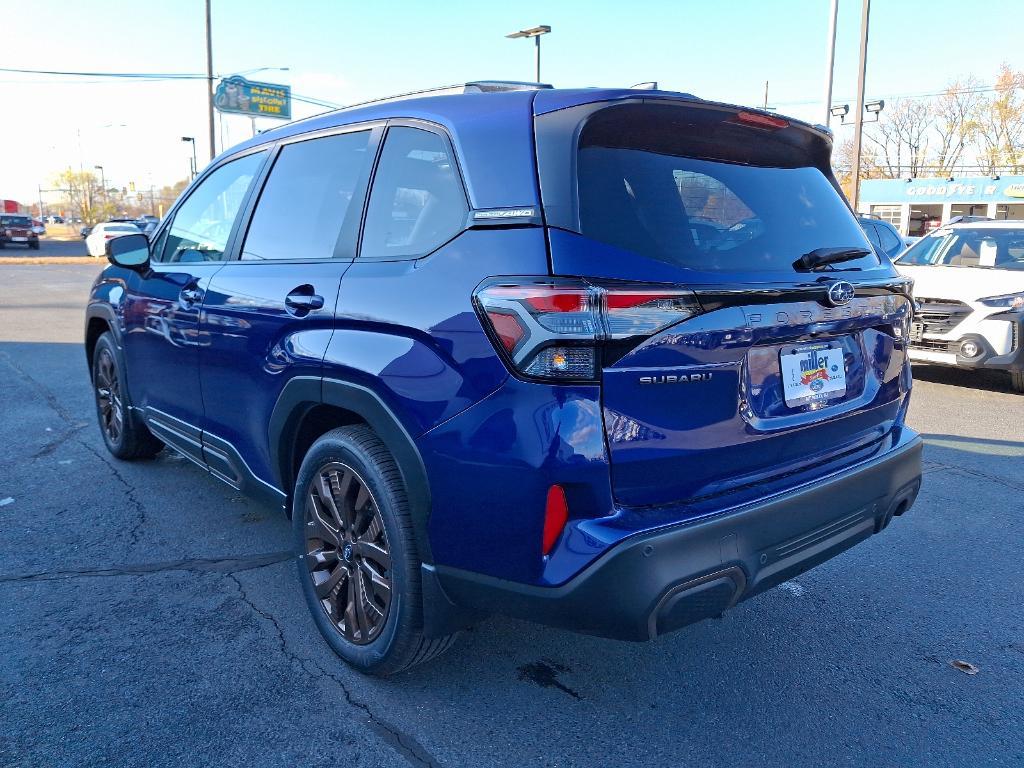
(347, 52)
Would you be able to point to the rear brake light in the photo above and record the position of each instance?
(761, 121)
(554, 328)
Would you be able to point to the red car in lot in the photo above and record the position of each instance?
(16, 229)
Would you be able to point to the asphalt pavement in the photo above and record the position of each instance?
(150, 616)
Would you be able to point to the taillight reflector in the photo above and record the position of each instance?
(507, 328)
(556, 515)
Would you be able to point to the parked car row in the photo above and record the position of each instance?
(115, 227)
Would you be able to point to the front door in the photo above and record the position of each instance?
(162, 306)
(269, 315)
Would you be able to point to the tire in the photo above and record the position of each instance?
(1017, 381)
(34, 246)
(124, 434)
(352, 551)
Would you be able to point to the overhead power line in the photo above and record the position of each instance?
(979, 89)
(155, 77)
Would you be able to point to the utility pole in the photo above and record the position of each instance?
(39, 190)
(831, 61)
(858, 120)
(209, 80)
(765, 95)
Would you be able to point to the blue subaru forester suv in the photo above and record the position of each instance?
(609, 360)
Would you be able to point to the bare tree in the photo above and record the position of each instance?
(901, 136)
(1001, 124)
(842, 162)
(956, 113)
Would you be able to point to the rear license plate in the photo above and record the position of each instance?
(812, 373)
(19, 239)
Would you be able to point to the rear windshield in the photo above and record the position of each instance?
(119, 228)
(986, 248)
(651, 189)
(14, 221)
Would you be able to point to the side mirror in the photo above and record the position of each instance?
(130, 251)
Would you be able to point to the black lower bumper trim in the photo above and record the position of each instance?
(654, 583)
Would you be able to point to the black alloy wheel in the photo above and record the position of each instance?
(347, 553)
(108, 397)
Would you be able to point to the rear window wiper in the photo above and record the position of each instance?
(819, 257)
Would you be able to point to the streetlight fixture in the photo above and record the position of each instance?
(192, 141)
(874, 108)
(535, 33)
(103, 182)
(840, 111)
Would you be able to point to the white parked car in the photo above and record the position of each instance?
(969, 283)
(96, 242)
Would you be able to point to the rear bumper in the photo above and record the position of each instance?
(654, 583)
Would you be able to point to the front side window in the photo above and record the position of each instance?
(417, 203)
(203, 223)
(969, 247)
(307, 198)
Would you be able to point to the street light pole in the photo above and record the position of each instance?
(209, 81)
(535, 33)
(103, 182)
(193, 170)
(831, 61)
(858, 120)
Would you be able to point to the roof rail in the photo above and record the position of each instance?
(476, 86)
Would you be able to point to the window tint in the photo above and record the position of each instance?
(307, 197)
(725, 199)
(201, 226)
(891, 243)
(417, 203)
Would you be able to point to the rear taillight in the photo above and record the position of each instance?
(558, 328)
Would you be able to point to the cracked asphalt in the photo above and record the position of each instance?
(150, 616)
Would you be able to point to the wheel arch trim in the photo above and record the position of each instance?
(303, 393)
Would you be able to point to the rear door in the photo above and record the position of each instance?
(785, 369)
(269, 314)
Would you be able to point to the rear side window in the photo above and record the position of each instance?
(203, 223)
(871, 230)
(644, 186)
(417, 203)
(891, 243)
(307, 198)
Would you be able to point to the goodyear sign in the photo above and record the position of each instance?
(247, 97)
(962, 189)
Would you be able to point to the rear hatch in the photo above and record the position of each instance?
(784, 366)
